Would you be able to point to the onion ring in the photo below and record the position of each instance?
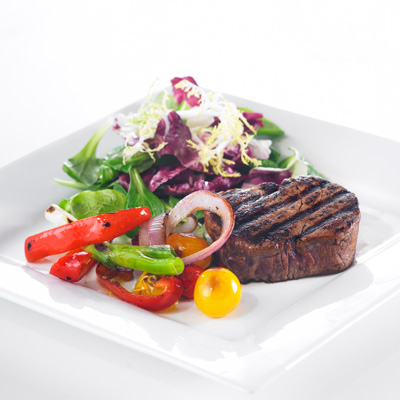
(152, 231)
(188, 226)
(208, 201)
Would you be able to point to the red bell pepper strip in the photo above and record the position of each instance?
(171, 292)
(189, 278)
(77, 234)
(73, 266)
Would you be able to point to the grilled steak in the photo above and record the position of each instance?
(306, 226)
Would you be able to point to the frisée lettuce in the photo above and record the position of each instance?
(178, 142)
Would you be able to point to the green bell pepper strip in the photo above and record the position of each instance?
(158, 260)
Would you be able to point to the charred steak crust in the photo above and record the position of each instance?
(306, 226)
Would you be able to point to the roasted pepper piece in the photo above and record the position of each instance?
(73, 266)
(125, 275)
(170, 287)
(159, 260)
(86, 231)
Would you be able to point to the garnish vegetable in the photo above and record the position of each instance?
(189, 278)
(90, 203)
(73, 266)
(186, 244)
(170, 292)
(84, 232)
(159, 260)
(217, 292)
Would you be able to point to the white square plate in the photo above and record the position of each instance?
(276, 325)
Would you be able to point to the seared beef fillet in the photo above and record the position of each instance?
(306, 226)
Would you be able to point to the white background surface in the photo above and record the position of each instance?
(64, 65)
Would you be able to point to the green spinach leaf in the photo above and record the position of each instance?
(89, 203)
(269, 129)
(268, 164)
(140, 161)
(140, 196)
(84, 167)
(299, 165)
(117, 186)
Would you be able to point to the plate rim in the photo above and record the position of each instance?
(223, 375)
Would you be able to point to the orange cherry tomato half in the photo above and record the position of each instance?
(217, 292)
(186, 244)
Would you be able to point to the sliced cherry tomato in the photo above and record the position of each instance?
(189, 278)
(186, 244)
(170, 286)
(217, 292)
(145, 285)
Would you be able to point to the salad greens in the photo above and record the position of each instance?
(268, 128)
(139, 196)
(176, 144)
(90, 203)
(85, 168)
(93, 173)
(115, 160)
(298, 165)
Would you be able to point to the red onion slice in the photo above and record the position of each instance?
(202, 200)
(152, 232)
(188, 226)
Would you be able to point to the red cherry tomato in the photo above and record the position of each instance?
(189, 278)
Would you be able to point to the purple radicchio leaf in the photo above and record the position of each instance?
(262, 174)
(216, 184)
(234, 154)
(254, 119)
(176, 137)
(124, 181)
(180, 95)
(153, 179)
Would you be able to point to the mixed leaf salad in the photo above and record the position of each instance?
(176, 144)
(177, 151)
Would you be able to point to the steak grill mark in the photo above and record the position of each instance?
(307, 226)
(266, 222)
(269, 203)
(262, 228)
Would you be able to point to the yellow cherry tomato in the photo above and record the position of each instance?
(186, 244)
(145, 285)
(217, 292)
